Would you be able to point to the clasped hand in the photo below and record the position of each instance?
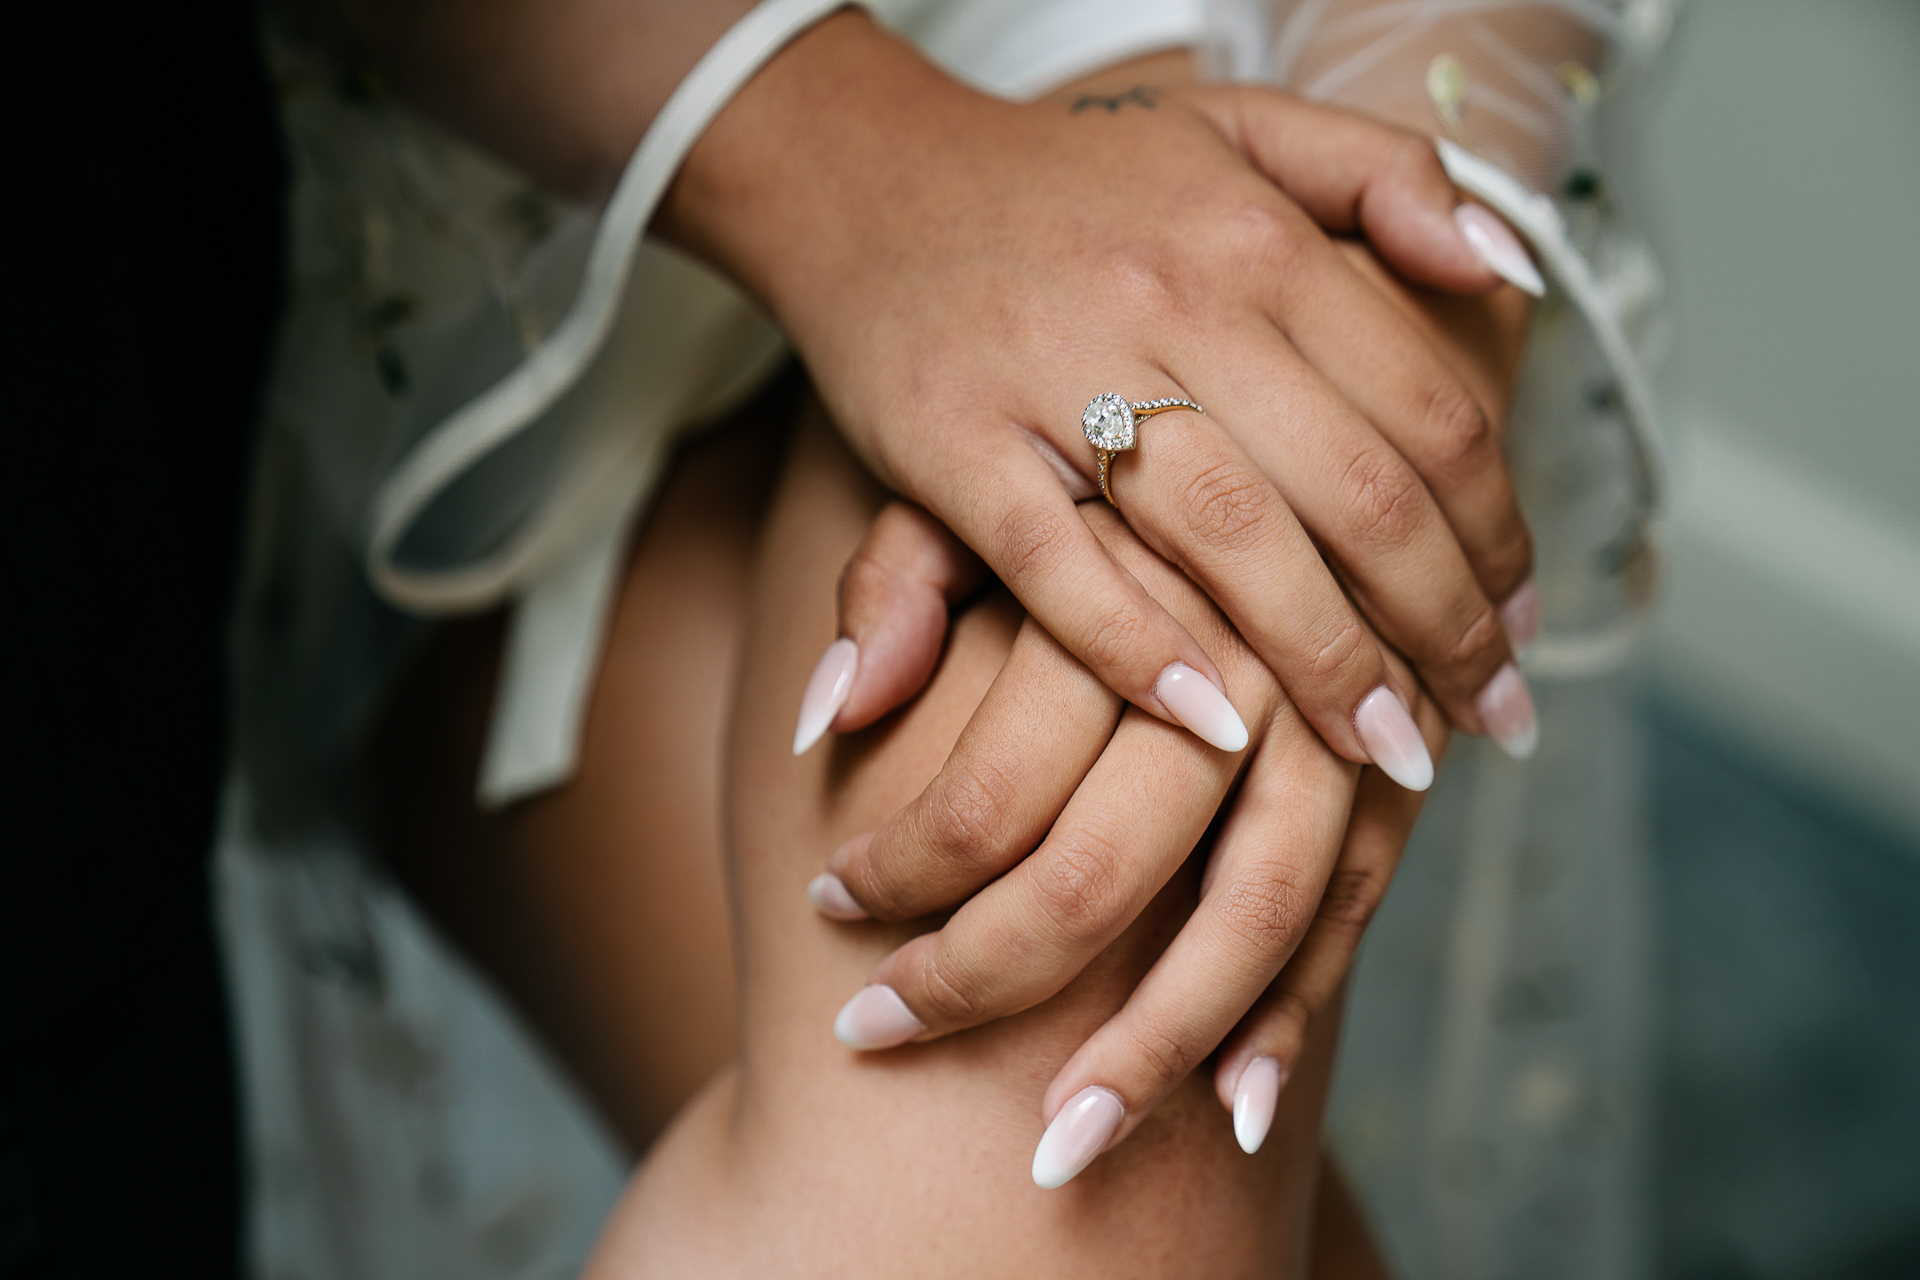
(961, 275)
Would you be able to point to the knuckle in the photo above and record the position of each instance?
(1078, 889)
(1115, 638)
(864, 580)
(952, 994)
(1287, 1016)
(1031, 541)
(965, 815)
(1351, 898)
(1413, 158)
(1162, 1060)
(1478, 641)
(1267, 913)
(1226, 504)
(1459, 434)
(1386, 510)
(1341, 651)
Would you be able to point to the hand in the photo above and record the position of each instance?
(962, 274)
(982, 814)
(1122, 801)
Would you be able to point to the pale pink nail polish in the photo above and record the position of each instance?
(1494, 243)
(827, 690)
(876, 1018)
(1254, 1100)
(1520, 615)
(1080, 1132)
(828, 894)
(1506, 708)
(1197, 703)
(1393, 739)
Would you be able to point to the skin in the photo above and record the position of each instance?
(961, 274)
(566, 977)
(862, 1164)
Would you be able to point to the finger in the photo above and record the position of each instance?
(1199, 500)
(1259, 1056)
(1368, 507)
(894, 596)
(1036, 734)
(1029, 933)
(1386, 369)
(1274, 856)
(1357, 175)
(1009, 506)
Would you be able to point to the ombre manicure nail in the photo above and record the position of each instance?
(1196, 703)
(876, 1018)
(1494, 243)
(828, 894)
(1506, 708)
(1254, 1100)
(1393, 739)
(827, 690)
(1080, 1132)
(1520, 615)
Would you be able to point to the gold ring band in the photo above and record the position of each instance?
(1111, 425)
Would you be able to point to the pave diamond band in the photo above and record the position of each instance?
(1111, 424)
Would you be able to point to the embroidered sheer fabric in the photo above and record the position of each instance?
(1493, 1091)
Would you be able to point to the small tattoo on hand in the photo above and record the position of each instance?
(1139, 96)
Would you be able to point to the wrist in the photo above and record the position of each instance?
(782, 185)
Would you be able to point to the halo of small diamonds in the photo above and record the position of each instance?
(1109, 423)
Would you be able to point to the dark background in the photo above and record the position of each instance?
(143, 276)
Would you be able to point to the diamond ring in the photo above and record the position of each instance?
(1110, 422)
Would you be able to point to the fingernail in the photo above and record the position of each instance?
(1496, 246)
(876, 1018)
(827, 690)
(828, 894)
(1506, 708)
(1393, 739)
(1520, 615)
(1254, 1099)
(1080, 1132)
(1198, 704)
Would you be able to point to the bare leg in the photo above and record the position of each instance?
(811, 1159)
(599, 909)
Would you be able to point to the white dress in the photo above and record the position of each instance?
(475, 389)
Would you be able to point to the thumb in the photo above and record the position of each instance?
(1355, 175)
(894, 595)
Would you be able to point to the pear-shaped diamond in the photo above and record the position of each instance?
(1108, 423)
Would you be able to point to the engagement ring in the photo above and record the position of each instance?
(1110, 423)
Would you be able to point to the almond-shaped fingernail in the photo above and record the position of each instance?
(1198, 704)
(828, 894)
(876, 1018)
(1506, 708)
(1254, 1100)
(1393, 739)
(1520, 615)
(827, 690)
(1080, 1132)
(1494, 243)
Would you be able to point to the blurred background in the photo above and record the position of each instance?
(1782, 704)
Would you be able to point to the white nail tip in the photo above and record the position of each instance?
(1254, 1100)
(1497, 247)
(826, 693)
(1195, 702)
(876, 1018)
(1391, 737)
(828, 894)
(1506, 708)
(1080, 1132)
